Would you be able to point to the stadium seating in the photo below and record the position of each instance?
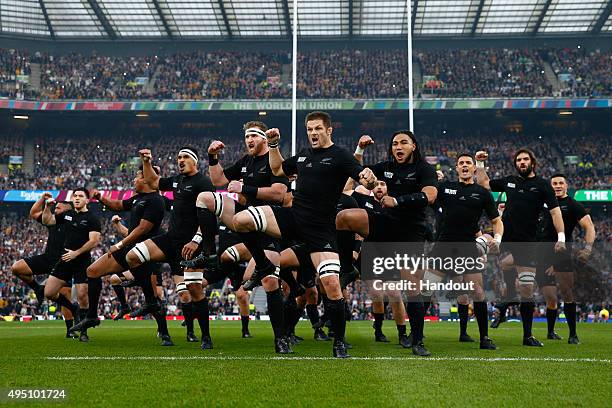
(347, 74)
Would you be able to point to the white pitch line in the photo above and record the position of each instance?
(309, 358)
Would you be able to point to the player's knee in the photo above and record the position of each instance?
(49, 293)
(242, 296)
(204, 200)
(243, 222)
(17, 268)
(92, 271)
(270, 283)
(114, 280)
(463, 299)
(342, 219)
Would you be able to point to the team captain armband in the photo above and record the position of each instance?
(415, 200)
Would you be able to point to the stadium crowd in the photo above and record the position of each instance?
(347, 74)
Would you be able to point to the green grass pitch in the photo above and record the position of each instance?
(123, 365)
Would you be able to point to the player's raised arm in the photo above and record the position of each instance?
(119, 227)
(275, 157)
(38, 207)
(364, 141)
(482, 178)
(214, 167)
(151, 177)
(48, 218)
(115, 205)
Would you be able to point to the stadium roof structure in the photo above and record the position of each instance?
(272, 19)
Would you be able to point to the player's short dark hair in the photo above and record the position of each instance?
(83, 189)
(417, 150)
(558, 175)
(465, 155)
(529, 152)
(156, 169)
(319, 115)
(255, 123)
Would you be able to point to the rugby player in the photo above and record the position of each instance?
(526, 195)
(322, 170)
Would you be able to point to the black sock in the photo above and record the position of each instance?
(188, 316)
(275, 311)
(94, 287)
(313, 314)
(401, 329)
(416, 313)
(208, 226)
(503, 309)
(120, 295)
(570, 315)
(33, 285)
(336, 314)
(286, 275)
(426, 304)
(481, 313)
(68, 324)
(463, 318)
(83, 314)
(252, 240)
(289, 311)
(378, 322)
(200, 309)
(245, 323)
(142, 274)
(295, 319)
(551, 319)
(346, 244)
(162, 324)
(63, 301)
(509, 278)
(325, 300)
(527, 317)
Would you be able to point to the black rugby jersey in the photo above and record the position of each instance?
(461, 206)
(572, 212)
(322, 174)
(525, 198)
(77, 226)
(56, 236)
(403, 179)
(254, 171)
(145, 206)
(184, 216)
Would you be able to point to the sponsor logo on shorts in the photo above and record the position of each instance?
(388, 174)
(511, 185)
(450, 191)
(301, 159)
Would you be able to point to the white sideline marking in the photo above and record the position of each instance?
(310, 358)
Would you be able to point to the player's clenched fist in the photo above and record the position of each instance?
(481, 155)
(273, 136)
(365, 141)
(215, 147)
(145, 154)
(368, 176)
(116, 219)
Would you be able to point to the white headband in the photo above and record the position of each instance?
(191, 154)
(255, 131)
